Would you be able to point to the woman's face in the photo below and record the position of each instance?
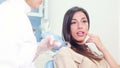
(79, 27)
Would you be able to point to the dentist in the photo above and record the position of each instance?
(18, 45)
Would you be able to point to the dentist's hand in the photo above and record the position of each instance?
(47, 43)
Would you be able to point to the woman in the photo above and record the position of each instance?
(76, 24)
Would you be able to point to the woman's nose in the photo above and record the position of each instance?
(79, 25)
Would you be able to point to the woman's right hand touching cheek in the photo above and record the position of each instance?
(96, 40)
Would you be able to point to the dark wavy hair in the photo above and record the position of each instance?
(81, 49)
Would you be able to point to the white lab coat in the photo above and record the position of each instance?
(17, 41)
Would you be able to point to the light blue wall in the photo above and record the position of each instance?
(1, 1)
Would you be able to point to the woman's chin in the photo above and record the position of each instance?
(81, 41)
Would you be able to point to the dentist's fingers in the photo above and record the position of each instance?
(57, 43)
(51, 40)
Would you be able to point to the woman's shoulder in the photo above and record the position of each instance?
(66, 50)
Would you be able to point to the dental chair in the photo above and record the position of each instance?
(49, 64)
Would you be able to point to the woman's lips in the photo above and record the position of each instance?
(80, 33)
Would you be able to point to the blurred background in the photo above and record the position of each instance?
(104, 21)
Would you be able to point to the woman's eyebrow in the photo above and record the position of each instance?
(83, 18)
(73, 19)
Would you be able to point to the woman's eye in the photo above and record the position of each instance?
(73, 22)
(84, 21)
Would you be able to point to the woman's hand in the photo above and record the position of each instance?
(96, 40)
